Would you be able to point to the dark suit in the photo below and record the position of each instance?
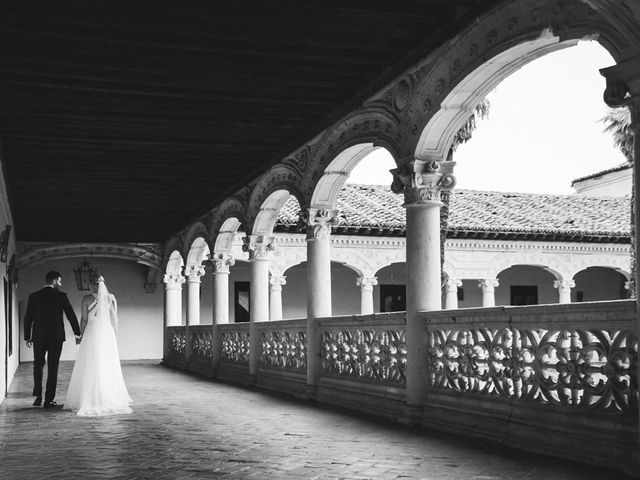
(44, 326)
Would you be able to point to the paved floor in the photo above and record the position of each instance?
(186, 427)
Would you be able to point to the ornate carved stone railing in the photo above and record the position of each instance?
(177, 341)
(575, 356)
(365, 348)
(201, 342)
(235, 343)
(284, 345)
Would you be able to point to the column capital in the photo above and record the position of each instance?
(277, 282)
(318, 222)
(193, 273)
(366, 282)
(453, 284)
(488, 284)
(173, 281)
(423, 182)
(258, 246)
(564, 284)
(221, 262)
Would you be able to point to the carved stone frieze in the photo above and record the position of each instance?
(202, 344)
(177, 341)
(318, 222)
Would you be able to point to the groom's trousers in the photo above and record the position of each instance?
(52, 350)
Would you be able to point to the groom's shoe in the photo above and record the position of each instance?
(38, 401)
(51, 405)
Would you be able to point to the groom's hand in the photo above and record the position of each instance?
(78, 340)
(29, 343)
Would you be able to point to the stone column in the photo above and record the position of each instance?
(422, 184)
(366, 285)
(173, 299)
(275, 300)
(451, 298)
(623, 89)
(564, 290)
(318, 226)
(220, 263)
(258, 247)
(172, 306)
(488, 287)
(193, 274)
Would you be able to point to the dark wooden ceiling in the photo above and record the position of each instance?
(125, 120)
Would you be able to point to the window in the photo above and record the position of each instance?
(242, 301)
(524, 295)
(393, 298)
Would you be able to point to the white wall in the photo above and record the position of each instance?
(612, 184)
(8, 363)
(140, 313)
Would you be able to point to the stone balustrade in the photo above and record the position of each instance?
(559, 377)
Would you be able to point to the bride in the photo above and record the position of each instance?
(97, 387)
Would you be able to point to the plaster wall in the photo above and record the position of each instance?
(140, 313)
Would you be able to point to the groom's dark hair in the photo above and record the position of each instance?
(51, 276)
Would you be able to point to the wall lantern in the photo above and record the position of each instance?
(83, 273)
(4, 243)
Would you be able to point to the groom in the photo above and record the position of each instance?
(44, 329)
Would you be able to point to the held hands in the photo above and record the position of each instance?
(29, 343)
(78, 340)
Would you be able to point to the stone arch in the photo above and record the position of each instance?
(373, 127)
(231, 208)
(555, 270)
(443, 92)
(619, 264)
(551, 263)
(172, 245)
(226, 235)
(195, 231)
(270, 208)
(198, 252)
(175, 264)
(282, 177)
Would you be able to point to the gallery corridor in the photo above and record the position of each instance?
(188, 427)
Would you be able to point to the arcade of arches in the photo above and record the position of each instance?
(428, 368)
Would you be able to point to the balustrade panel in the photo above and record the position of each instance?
(581, 357)
(201, 338)
(365, 348)
(235, 343)
(283, 345)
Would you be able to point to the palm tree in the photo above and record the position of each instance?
(617, 122)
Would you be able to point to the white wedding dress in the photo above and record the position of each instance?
(97, 386)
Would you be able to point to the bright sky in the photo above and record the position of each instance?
(543, 129)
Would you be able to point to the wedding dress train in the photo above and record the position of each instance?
(97, 386)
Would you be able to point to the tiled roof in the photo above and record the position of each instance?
(375, 210)
(622, 166)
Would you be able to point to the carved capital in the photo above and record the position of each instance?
(277, 282)
(258, 246)
(488, 284)
(318, 222)
(367, 283)
(221, 262)
(423, 182)
(193, 273)
(623, 86)
(453, 284)
(564, 284)
(173, 281)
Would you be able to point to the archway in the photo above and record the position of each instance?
(599, 283)
(390, 294)
(525, 285)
